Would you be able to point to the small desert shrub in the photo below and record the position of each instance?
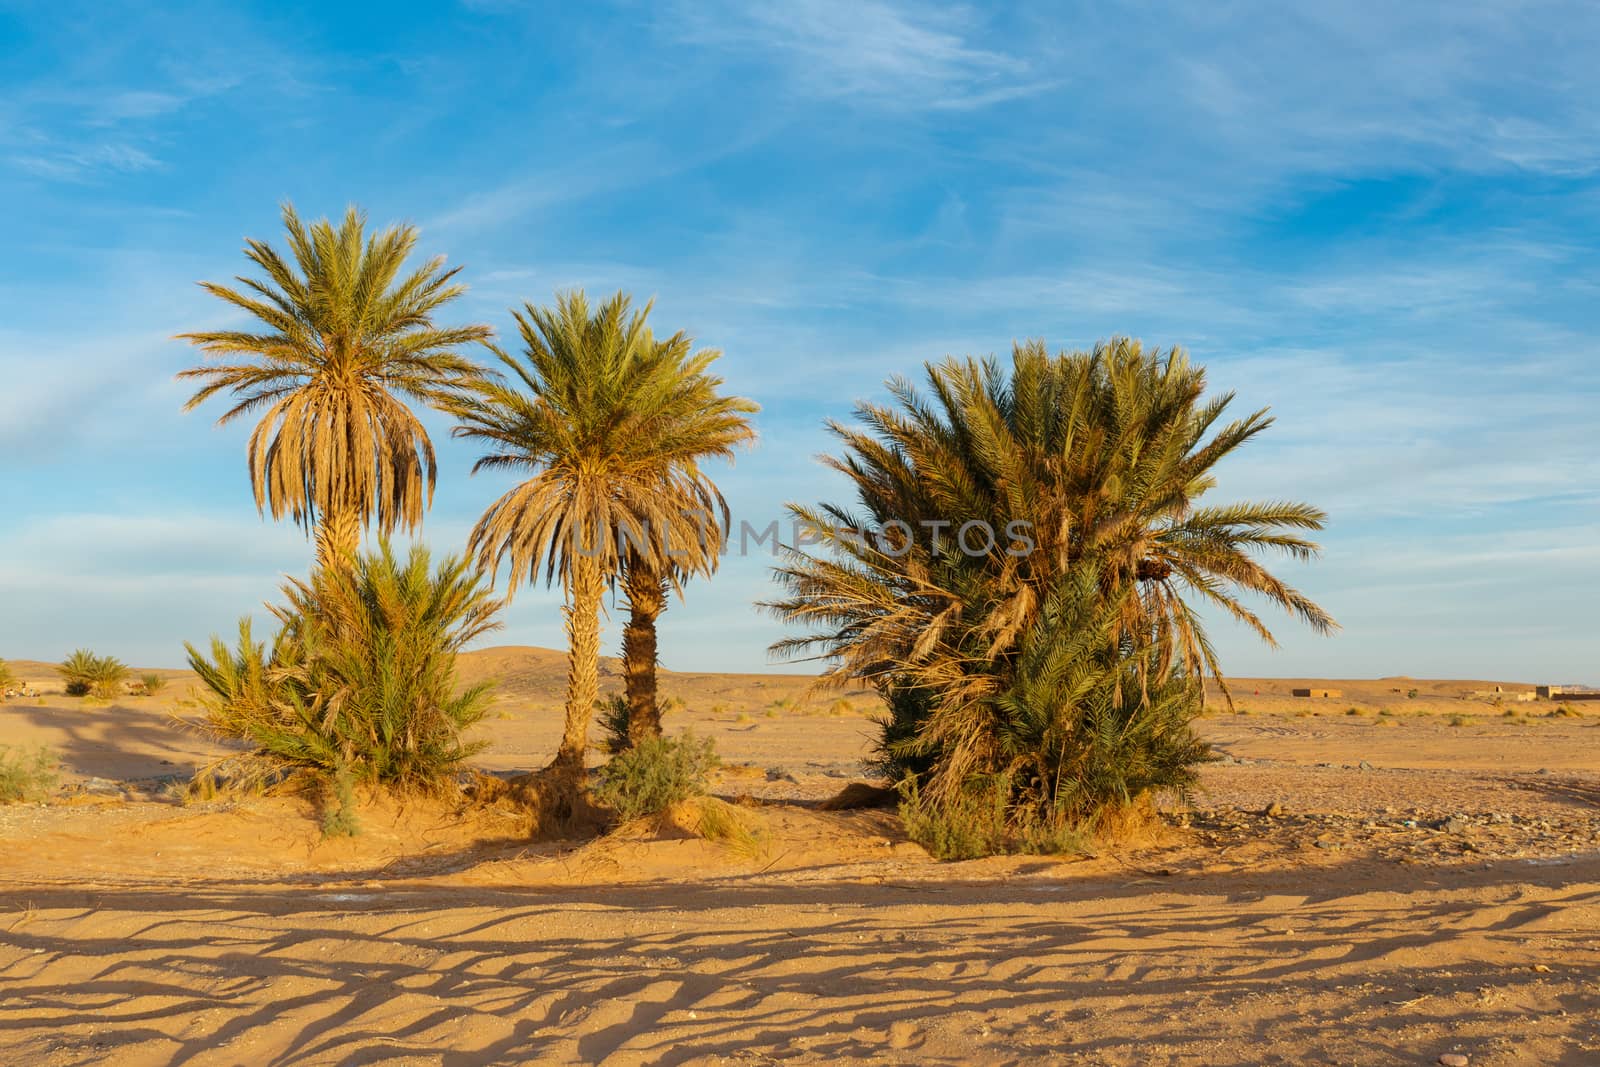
(650, 777)
(153, 684)
(841, 707)
(1354, 711)
(27, 775)
(724, 824)
(339, 807)
(1385, 713)
(8, 680)
(981, 822)
(359, 683)
(87, 674)
(1563, 711)
(1457, 720)
(612, 712)
(1411, 694)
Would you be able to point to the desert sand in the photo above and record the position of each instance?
(1428, 882)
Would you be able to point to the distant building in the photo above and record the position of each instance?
(1499, 693)
(1567, 692)
(1328, 694)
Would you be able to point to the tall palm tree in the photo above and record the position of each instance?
(708, 425)
(984, 505)
(343, 340)
(595, 417)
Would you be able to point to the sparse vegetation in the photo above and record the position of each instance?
(1354, 711)
(655, 774)
(87, 674)
(27, 775)
(1458, 720)
(152, 683)
(8, 679)
(728, 826)
(980, 823)
(614, 719)
(358, 687)
(339, 806)
(1563, 711)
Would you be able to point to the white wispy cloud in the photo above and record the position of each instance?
(872, 51)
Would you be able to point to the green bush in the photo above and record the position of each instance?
(26, 775)
(612, 711)
(656, 774)
(153, 684)
(87, 674)
(359, 684)
(339, 807)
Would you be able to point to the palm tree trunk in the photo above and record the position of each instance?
(646, 601)
(338, 537)
(583, 663)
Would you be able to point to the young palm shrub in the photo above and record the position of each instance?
(8, 678)
(1017, 576)
(87, 674)
(359, 685)
(345, 339)
(592, 411)
(615, 720)
(153, 684)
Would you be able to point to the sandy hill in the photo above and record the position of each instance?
(537, 676)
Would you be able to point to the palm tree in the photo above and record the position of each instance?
(594, 413)
(1013, 531)
(343, 341)
(708, 425)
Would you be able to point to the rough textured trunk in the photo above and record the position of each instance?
(583, 664)
(647, 599)
(338, 538)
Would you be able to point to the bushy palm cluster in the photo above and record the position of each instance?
(1020, 573)
(359, 683)
(86, 674)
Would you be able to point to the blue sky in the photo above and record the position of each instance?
(1379, 219)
